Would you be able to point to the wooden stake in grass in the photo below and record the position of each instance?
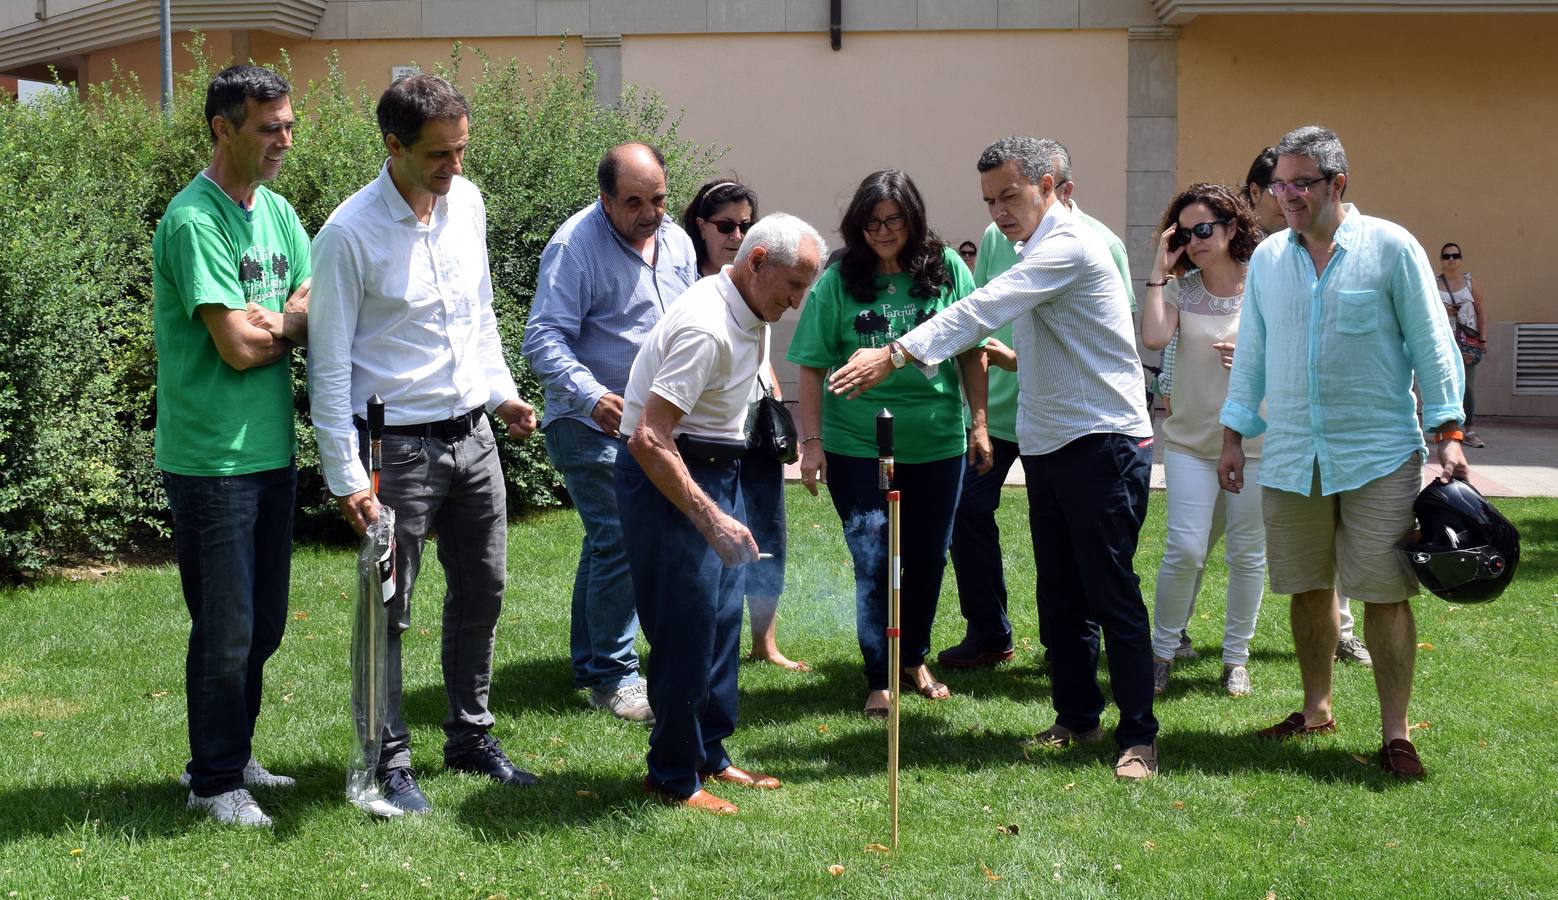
(884, 451)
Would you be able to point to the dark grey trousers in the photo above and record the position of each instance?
(454, 489)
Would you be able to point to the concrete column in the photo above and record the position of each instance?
(242, 46)
(604, 52)
(1152, 134)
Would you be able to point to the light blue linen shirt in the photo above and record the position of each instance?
(596, 302)
(1333, 357)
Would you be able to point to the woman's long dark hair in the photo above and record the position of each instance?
(921, 256)
(706, 203)
(1224, 203)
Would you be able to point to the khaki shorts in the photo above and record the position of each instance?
(1348, 541)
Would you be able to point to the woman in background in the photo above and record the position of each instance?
(894, 274)
(1206, 242)
(1463, 303)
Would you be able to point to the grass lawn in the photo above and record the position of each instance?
(92, 738)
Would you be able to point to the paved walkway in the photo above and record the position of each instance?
(1520, 459)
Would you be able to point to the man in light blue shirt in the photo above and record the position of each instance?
(606, 278)
(1340, 312)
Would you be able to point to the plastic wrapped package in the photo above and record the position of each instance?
(370, 628)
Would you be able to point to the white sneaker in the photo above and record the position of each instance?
(629, 702)
(236, 807)
(254, 775)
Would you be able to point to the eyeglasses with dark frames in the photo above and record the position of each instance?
(894, 222)
(1299, 186)
(1449, 256)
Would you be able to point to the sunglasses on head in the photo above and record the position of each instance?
(1449, 256)
(1202, 230)
(726, 226)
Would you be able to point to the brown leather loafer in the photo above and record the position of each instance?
(1399, 758)
(1293, 727)
(733, 775)
(701, 800)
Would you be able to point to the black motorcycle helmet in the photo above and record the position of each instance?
(1464, 550)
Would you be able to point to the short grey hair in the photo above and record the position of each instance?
(780, 235)
(1036, 157)
(1317, 143)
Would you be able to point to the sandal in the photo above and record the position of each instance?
(930, 690)
(877, 712)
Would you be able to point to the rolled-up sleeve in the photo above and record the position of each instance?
(1426, 331)
(335, 299)
(1247, 381)
(556, 317)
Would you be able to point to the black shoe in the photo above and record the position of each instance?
(486, 758)
(970, 655)
(401, 791)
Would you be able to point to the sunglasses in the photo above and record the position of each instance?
(726, 226)
(968, 254)
(1449, 256)
(1202, 230)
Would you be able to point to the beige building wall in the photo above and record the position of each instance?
(805, 124)
(1446, 120)
(365, 62)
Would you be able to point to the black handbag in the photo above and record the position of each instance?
(772, 432)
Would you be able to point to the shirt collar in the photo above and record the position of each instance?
(399, 209)
(1057, 214)
(746, 319)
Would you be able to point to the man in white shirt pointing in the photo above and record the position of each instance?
(406, 313)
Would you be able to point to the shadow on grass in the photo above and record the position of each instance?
(497, 812)
(534, 684)
(156, 808)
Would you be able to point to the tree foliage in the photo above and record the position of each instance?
(85, 181)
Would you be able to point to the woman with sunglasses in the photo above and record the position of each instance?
(894, 274)
(1463, 303)
(717, 220)
(969, 251)
(1208, 236)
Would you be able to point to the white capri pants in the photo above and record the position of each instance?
(1193, 500)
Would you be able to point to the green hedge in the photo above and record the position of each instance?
(84, 181)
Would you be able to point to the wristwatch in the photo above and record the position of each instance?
(895, 353)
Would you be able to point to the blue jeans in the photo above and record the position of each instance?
(929, 498)
(1087, 500)
(233, 535)
(604, 620)
(690, 602)
(976, 551)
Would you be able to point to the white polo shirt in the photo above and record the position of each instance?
(702, 357)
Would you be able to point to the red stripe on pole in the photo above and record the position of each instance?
(892, 632)
(892, 496)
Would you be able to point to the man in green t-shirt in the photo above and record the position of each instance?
(231, 264)
(976, 539)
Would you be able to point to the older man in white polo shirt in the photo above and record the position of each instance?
(686, 412)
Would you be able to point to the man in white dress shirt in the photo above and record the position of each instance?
(1083, 432)
(404, 310)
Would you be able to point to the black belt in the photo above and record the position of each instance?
(448, 430)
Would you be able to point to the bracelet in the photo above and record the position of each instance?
(810, 439)
(1455, 435)
(1163, 283)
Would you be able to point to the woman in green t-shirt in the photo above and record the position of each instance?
(893, 274)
